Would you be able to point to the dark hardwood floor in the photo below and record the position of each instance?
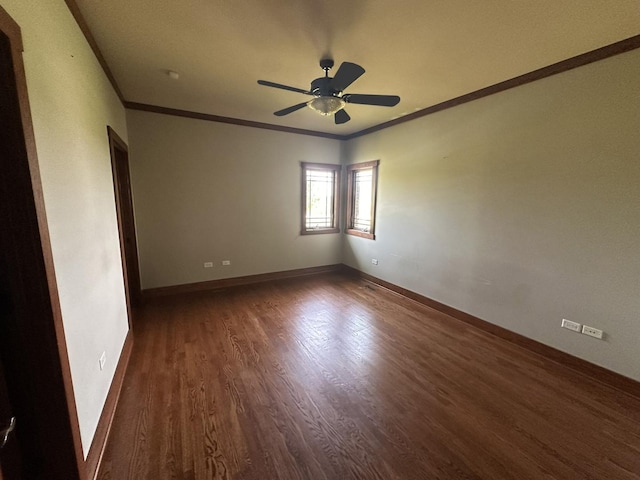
(334, 378)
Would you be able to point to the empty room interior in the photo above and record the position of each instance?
(322, 240)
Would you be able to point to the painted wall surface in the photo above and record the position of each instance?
(207, 192)
(522, 208)
(72, 103)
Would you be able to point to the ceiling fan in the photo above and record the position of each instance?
(328, 92)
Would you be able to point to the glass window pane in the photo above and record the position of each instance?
(362, 180)
(320, 186)
(362, 197)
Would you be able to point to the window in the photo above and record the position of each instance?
(320, 198)
(362, 183)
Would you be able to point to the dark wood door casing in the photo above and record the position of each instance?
(126, 219)
(32, 342)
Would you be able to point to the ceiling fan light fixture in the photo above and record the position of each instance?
(328, 97)
(326, 105)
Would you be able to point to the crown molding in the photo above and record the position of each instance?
(234, 121)
(598, 54)
(622, 46)
(84, 27)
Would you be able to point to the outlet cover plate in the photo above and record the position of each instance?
(592, 332)
(574, 326)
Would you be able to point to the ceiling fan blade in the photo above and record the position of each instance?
(287, 111)
(381, 100)
(283, 87)
(341, 117)
(346, 75)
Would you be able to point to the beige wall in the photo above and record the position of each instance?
(72, 103)
(521, 208)
(207, 192)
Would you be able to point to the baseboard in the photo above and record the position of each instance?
(94, 457)
(601, 374)
(584, 367)
(237, 281)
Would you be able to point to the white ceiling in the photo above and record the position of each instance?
(425, 51)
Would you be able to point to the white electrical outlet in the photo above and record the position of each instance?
(571, 325)
(208, 264)
(103, 359)
(592, 332)
(374, 261)
(226, 262)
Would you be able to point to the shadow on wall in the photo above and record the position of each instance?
(348, 255)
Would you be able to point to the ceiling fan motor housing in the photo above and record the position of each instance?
(322, 87)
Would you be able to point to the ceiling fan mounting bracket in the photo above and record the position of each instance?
(326, 64)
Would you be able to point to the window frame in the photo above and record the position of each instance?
(351, 169)
(336, 169)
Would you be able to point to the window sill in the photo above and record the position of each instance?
(320, 231)
(361, 234)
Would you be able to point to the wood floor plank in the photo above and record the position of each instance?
(331, 377)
